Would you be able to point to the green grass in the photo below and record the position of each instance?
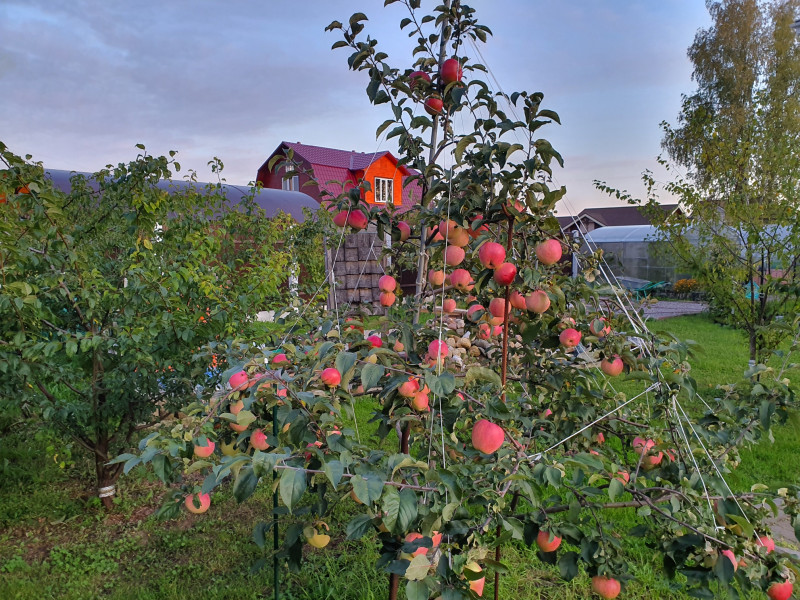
(55, 541)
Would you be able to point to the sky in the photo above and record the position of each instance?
(83, 81)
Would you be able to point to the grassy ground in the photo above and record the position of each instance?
(55, 541)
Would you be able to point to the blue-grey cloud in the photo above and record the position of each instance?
(81, 82)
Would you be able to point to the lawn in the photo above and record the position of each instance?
(55, 541)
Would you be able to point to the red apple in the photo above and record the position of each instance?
(405, 230)
(537, 301)
(458, 236)
(451, 71)
(780, 591)
(497, 307)
(505, 273)
(549, 252)
(387, 283)
(476, 585)
(358, 220)
(623, 477)
(449, 305)
(280, 359)
(453, 256)
(340, 220)
(640, 445)
(387, 298)
(651, 461)
(766, 542)
(492, 255)
(433, 106)
(570, 338)
(331, 377)
(545, 543)
(398, 346)
(487, 437)
(204, 451)
(476, 228)
(238, 379)
(197, 503)
(413, 536)
(236, 407)
(605, 587)
(461, 280)
(731, 557)
(417, 78)
(517, 300)
(420, 402)
(436, 278)
(473, 312)
(602, 330)
(612, 367)
(437, 349)
(258, 440)
(408, 389)
(375, 341)
(485, 331)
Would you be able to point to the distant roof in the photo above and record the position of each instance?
(270, 200)
(622, 215)
(624, 233)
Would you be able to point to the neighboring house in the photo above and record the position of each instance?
(590, 219)
(323, 172)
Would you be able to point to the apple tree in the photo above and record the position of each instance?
(497, 414)
(109, 292)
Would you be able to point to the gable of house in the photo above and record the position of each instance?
(326, 172)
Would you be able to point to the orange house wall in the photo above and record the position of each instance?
(384, 168)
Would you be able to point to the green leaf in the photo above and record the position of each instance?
(264, 462)
(418, 569)
(245, 484)
(462, 146)
(417, 590)
(568, 565)
(334, 471)
(371, 375)
(477, 374)
(441, 385)
(408, 509)
(367, 489)
(345, 362)
(292, 487)
(615, 489)
(358, 527)
(162, 468)
(357, 17)
(391, 509)
(260, 533)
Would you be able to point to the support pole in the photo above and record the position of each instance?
(275, 540)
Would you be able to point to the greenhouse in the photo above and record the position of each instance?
(633, 252)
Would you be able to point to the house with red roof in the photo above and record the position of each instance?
(326, 172)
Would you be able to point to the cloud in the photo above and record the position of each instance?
(84, 81)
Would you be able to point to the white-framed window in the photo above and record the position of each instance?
(292, 184)
(384, 191)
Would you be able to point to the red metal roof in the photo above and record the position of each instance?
(343, 159)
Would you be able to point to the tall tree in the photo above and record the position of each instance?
(738, 140)
(108, 294)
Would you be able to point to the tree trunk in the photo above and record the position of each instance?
(107, 475)
(753, 345)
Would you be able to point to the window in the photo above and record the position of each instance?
(384, 191)
(292, 184)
